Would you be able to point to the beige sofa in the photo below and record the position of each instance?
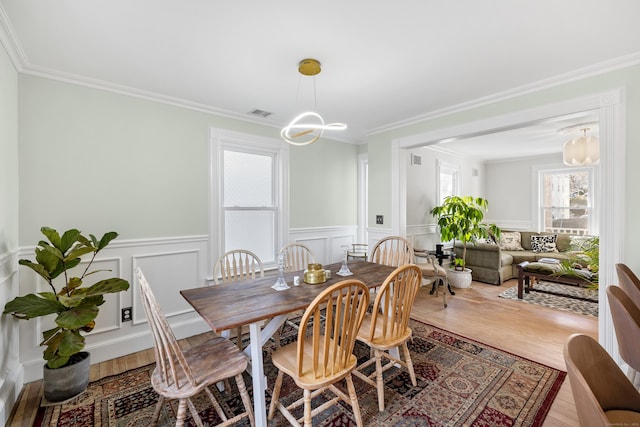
(490, 263)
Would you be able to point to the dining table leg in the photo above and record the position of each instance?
(258, 337)
(257, 374)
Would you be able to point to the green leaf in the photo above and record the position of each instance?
(52, 235)
(48, 250)
(30, 306)
(64, 266)
(72, 342)
(46, 335)
(52, 343)
(48, 259)
(38, 268)
(57, 361)
(77, 317)
(106, 239)
(78, 252)
(69, 238)
(108, 286)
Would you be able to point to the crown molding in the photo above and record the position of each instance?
(9, 41)
(579, 74)
(18, 57)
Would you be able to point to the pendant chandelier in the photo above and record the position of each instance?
(308, 127)
(582, 151)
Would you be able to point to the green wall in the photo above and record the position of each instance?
(99, 160)
(629, 78)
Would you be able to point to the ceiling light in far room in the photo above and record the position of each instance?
(581, 151)
(308, 127)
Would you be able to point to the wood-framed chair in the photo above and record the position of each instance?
(629, 282)
(323, 353)
(183, 374)
(434, 274)
(296, 257)
(603, 395)
(393, 251)
(358, 251)
(234, 266)
(237, 265)
(387, 326)
(626, 322)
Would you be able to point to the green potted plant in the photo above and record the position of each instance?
(461, 218)
(75, 306)
(583, 262)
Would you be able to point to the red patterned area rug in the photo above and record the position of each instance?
(461, 382)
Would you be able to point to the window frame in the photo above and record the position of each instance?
(221, 140)
(592, 203)
(446, 168)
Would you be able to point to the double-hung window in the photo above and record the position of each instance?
(249, 195)
(566, 201)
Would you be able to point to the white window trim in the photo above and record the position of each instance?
(221, 139)
(536, 193)
(363, 198)
(454, 169)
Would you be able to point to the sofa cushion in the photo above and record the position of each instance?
(526, 239)
(563, 242)
(505, 258)
(541, 267)
(520, 256)
(510, 241)
(544, 243)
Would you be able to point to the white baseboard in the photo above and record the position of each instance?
(10, 388)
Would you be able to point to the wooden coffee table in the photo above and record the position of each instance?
(525, 284)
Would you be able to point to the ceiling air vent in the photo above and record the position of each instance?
(416, 160)
(260, 113)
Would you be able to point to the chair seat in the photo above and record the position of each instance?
(200, 358)
(285, 359)
(428, 270)
(623, 418)
(378, 337)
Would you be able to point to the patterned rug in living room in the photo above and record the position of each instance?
(575, 299)
(461, 382)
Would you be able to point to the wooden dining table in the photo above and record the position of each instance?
(252, 302)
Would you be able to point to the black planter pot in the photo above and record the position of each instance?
(69, 381)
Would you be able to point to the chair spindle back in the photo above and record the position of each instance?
(345, 303)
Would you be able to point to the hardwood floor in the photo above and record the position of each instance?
(537, 333)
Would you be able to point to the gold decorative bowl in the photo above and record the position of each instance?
(314, 274)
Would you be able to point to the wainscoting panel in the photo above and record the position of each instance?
(170, 264)
(325, 242)
(11, 372)
(166, 273)
(423, 236)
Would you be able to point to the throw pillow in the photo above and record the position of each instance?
(510, 241)
(544, 243)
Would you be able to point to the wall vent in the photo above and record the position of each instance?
(474, 172)
(416, 160)
(260, 113)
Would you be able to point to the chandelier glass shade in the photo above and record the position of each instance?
(582, 151)
(306, 128)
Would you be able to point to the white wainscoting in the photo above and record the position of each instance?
(169, 264)
(325, 242)
(424, 236)
(11, 373)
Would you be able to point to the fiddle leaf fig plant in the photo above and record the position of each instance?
(76, 303)
(461, 218)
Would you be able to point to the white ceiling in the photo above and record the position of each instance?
(535, 139)
(384, 63)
